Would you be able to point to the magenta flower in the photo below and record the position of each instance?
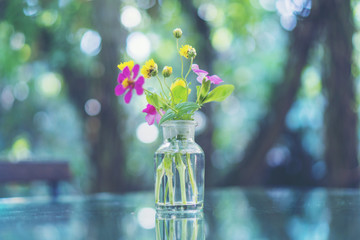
(152, 114)
(127, 82)
(204, 74)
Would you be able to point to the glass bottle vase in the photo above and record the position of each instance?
(179, 169)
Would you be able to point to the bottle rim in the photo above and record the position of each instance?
(171, 123)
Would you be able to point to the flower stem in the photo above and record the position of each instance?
(171, 190)
(166, 191)
(187, 85)
(184, 229)
(158, 236)
(160, 171)
(191, 62)
(171, 230)
(191, 176)
(164, 102)
(182, 64)
(198, 97)
(181, 169)
(172, 96)
(161, 85)
(166, 84)
(195, 232)
(166, 230)
(169, 174)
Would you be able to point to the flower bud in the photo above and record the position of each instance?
(177, 33)
(167, 71)
(192, 53)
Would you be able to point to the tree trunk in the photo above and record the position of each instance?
(108, 152)
(251, 170)
(340, 116)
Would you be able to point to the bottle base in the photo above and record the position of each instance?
(179, 207)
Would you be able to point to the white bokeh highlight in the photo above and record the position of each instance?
(138, 46)
(90, 43)
(130, 17)
(146, 218)
(146, 133)
(92, 107)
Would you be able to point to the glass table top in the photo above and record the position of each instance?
(231, 213)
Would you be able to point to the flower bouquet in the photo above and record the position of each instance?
(179, 161)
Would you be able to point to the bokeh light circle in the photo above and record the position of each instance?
(138, 46)
(146, 133)
(130, 17)
(92, 107)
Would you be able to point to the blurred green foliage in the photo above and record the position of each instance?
(39, 38)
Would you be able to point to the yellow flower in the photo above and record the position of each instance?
(129, 64)
(167, 71)
(179, 82)
(150, 69)
(187, 51)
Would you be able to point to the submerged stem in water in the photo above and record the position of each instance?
(169, 174)
(191, 176)
(181, 169)
(160, 171)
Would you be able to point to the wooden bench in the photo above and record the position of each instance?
(51, 172)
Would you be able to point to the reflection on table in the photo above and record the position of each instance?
(180, 226)
(228, 214)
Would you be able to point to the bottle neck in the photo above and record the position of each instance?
(179, 130)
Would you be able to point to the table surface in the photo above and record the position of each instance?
(231, 213)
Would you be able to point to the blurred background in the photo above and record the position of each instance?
(291, 121)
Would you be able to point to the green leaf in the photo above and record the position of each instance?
(187, 117)
(179, 93)
(205, 88)
(186, 107)
(154, 99)
(219, 93)
(170, 114)
(198, 88)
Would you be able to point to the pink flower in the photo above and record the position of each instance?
(203, 74)
(152, 114)
(127, 82)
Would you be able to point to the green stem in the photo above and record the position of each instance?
(171, 230)
(169, 174)
(164, 102)
(195, 232)
(182, 64)
(166, 191)
(187, 85)
(161, 85)
(191, 176)
(172, 96)
(166, 229)
(198, 97)
(169, 106)
(184, 229)
(181, 169)
(171, 189)
(166, 84)
(191, 62)
(182, 67)
(160, 171)
(158, 236)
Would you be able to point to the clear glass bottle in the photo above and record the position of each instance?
(179, 169)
